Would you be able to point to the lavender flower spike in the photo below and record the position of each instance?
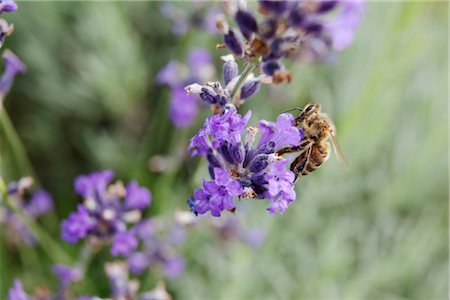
(244, 170)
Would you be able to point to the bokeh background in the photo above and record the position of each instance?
(375, 230)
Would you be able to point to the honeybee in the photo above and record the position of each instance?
(314, 148)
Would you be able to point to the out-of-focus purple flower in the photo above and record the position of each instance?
(342, 27)
(170, 74)
(13, 65)
(301, 30)
(183, 108)
(66, 274)
(239, 169)
(137, 197)
(41, 202)
(17, 292)
(174, 266)
(123, 243)
(31, 203)
(108, 210)
(198, 57)
(7, 6)
(138, 262)
(254, 237)
(89, 186)
(157, 248)
(121, 286)
(158, 293)
(6, 29)
(77, 226)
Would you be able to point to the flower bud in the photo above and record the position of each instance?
(208, 95)
(238, 152)
(270, 67)
(247, 23)
(229, 70)
(249, 88)
(225, 150)
(259, 163)
(233, 43)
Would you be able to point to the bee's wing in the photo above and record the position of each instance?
(338, 151)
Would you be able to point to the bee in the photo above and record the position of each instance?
(314, 148)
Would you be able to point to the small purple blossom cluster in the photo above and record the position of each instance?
(66, 275)
(238, 168)
(107, 210)
(110, 213)
(305, 30)
(184, 107)
(33, 204)
(157, 248)
(121, 286)
(220, 96)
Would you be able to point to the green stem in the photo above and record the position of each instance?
(85, 257)
(16, 144)
(55, 253)
(247, 70)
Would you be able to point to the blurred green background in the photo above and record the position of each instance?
(375, 230)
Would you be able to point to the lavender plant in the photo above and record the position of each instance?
(243, 161)
(237, 167)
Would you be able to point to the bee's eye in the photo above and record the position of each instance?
(309, 108)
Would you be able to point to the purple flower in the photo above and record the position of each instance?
(7, 6)
(138, 262)
(32, 203)
(174, 266)
(67, 274)
(280, 189)
(228, 126)
(216, 195)
(256, 172)
(343, 25)
(13, 65)
(281, 202)
(41, 202)
(279, 179)
(183, 108)
(169, 74)
(93, 184)
(76, 226)
(282, 133)
(108, 208)
(123, 243)
(17, 292)
(198, 58)
(137, 197)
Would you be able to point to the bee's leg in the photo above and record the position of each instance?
(300, 164)
(303, 145)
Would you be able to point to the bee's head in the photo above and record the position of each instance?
(309, 110)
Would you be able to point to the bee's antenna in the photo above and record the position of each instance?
(298, 108)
